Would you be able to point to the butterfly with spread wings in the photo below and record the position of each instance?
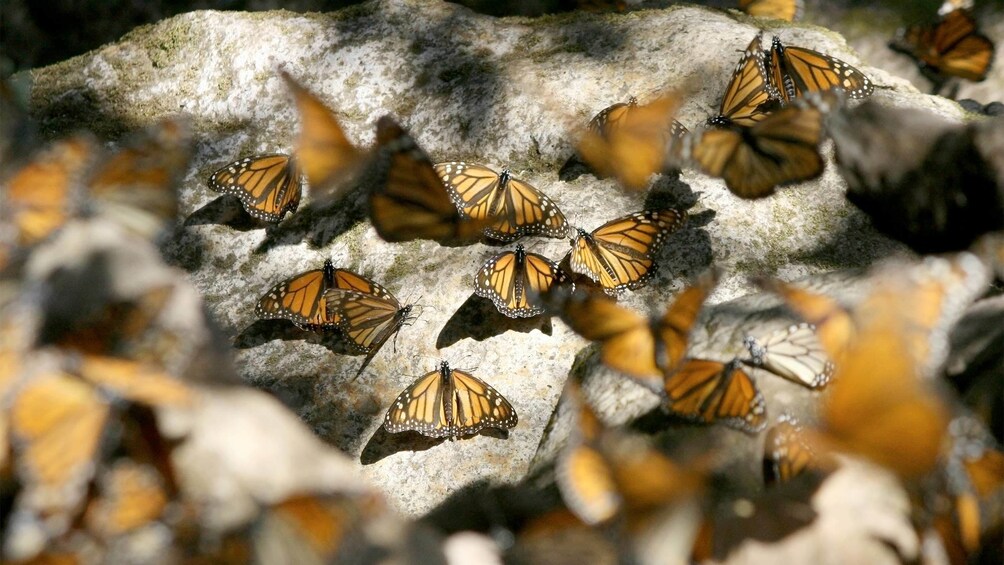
(711, 391)
(515, 280)
(301, 300)
(644, 348)
(780, 149)
(793, 353)
(449, 403)
(952, 47)
(367, 317)
(410, 201)
(796, 71)
(749, 96)
(268, 186)
(788, 10)
(329, 160)
(513, 207)
(619, 254)
(631, 142)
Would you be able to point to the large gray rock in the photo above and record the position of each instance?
(498, 91)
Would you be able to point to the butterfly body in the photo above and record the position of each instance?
(781, 148)
(619, 254)
(642, 347)
(951, 47)
(267, 185)
(301, 299)
(511, 207)
(788, 10)
(749, 97)
(329, 160)
(513, 280)
(368, 318)
(631, 142)
(711, 391)
(449, 403)
(795, 71)
(793, 353)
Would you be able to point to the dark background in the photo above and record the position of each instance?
(37, 33)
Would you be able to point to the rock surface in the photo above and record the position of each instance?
(469, 87)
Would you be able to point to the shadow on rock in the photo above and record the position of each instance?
(225, 210)
(264, 331)
(478, 318)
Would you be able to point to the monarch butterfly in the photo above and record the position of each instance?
(780, 149)
(40, 197)
(601, 473)
(951, 47)
(57, 422)
(449, 403)
(788, 10)
(631, 142)
(301, 299)
(618, 254)
(130, 495)
(793, 353)
(329, 159)
(267, 185)
(135, 186)
(711, 391)
(646, 349)
(877, 399)
(749, 96)
(514, 207)
(410, 201)
(367, 317)
(786, 451)
(833, 324)
(795, 71)
(514, 281)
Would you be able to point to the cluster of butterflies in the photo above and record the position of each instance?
(873, 359)
(89, 456)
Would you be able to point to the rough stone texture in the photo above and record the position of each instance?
(500, 91)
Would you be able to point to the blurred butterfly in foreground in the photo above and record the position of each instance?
(974, 469)
(368, 316)
(949, 48)
(515, 280)
(410, 201)
(514, 207)
(136, 185)
(749, 96)
(630, 142)
(780, 149)
(449, 403)
(42, 195)
(711, 391)
(796, 71)
(329, 160)
(644, 348)
(601, 473)
(793, 353)
(619, 254)
(300, 299)
(788, 10)
(267, 185)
